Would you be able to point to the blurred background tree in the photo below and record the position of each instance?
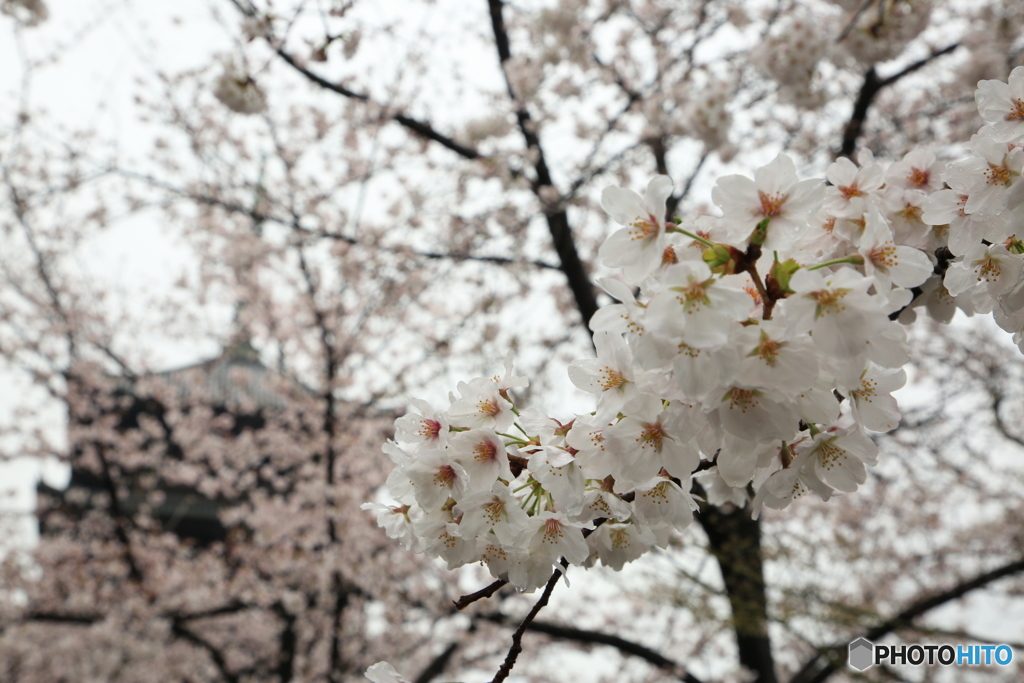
(376, 199)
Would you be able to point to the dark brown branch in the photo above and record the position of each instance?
(597, 637)
(216, 655)
(674, 199)
(87, 619)
(421, 128)
(332, 364)
(735, 540)
(436, 667)
(20, 208)
(853, 20)
(911, 68)
(260, 217)
(120, 519)
(233, 607)
(871, 87)
(289, 643)
(486, 592)
(1001, 426)
(56, 618)
(557, 218)
(517, 637)
(816, 670)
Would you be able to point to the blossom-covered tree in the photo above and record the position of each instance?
(388, 204)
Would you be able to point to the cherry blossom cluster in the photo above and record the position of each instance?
(790, 55)
(237, 90)
(883, 30)
(26, 12)
(517, 490)
(983, 205)
(747, 361)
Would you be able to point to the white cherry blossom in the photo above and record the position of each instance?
(775, 193)
(481, 405)
(640, 244)
(615, 543)
(890, 264)
(661, 501)
(838, 311)
(918, 170)
(852, 186)
(1002, 105)
(698, 309)
(436, 476)
(441, 538)
(383, 672)
(599, 503)
(788, 484)
(423, 426)
(611, 375)
(496, 511)
(871, 395)
(647, 440)
(992, 269)
(840, 457)
(482, 454)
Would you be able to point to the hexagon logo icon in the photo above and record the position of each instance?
(862, 654)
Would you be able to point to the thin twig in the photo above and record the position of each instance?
(556, 217)
(467, 600)
(438, 664)
(871, 87)
(810, 673)
(421, 128)
(517, 637)
(597, 637)
(853, 20)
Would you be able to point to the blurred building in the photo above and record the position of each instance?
(239, 394)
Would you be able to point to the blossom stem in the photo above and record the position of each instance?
(700, 239)
(515, 439)
(767, 303)
(856, 260)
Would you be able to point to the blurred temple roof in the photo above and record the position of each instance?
(235, 382)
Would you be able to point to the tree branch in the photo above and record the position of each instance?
(57, 618)
(421, 128)
(289, 644)
(557, 218)
(119, 516)
(816, 671)
(735, 541)
(216, 655)
(517, 637)
(438, 664)
(871, 87)
(625, 646)
(486, 592)
(260, 217)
